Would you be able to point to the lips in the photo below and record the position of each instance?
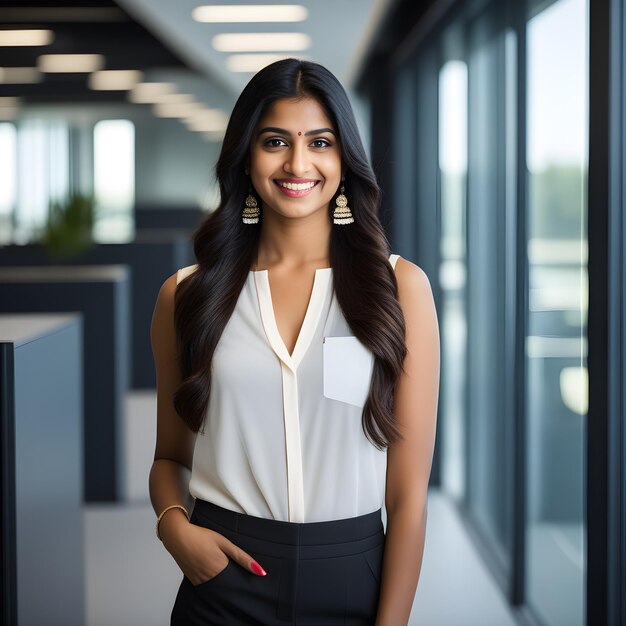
(296, 187)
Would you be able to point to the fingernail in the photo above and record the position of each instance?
(258, 569)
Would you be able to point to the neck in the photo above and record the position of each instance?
(294, 242)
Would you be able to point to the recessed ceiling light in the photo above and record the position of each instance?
(8, 113)
(114, 80)
(207, 120)
(250, 62)
(205, 127)
(149, 93)
(9, 107)
(213, 135)
(9, 101)
(252, 42)
(175, 109)
(70, 62)
(39, 37)
(173, 98)
(19, 75)
(250, 13)
(206, 115)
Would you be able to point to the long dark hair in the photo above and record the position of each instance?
(225, 248)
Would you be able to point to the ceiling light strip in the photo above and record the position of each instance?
(227, 13)
(26, 37)
(251, 62)
(20, 75)
(260, 42)
(114, 80)
(70, 62)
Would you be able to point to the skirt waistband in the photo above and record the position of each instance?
(347, 535)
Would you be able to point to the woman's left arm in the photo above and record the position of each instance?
(409, 461)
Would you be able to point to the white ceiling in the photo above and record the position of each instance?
(340, 30)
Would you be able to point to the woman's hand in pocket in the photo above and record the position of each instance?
(202, 553)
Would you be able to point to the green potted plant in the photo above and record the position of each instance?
(68, 231)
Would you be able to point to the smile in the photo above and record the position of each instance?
(295, 190)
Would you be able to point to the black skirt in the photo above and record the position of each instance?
(318, 573)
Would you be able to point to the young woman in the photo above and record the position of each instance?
(297, 379)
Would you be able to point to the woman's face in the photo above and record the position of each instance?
(295, 158)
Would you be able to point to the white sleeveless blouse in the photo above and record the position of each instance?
(283, 438)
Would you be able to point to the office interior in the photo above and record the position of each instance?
(497, 131)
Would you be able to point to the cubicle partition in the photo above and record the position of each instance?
(41, 457)
(170, 218)
(102, 294)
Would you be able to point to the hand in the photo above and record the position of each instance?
(202, 553)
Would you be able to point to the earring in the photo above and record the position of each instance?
(342, 213)
(251, 211)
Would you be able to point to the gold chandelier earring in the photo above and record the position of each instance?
(251, 211)
(342, 213)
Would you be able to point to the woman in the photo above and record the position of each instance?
(297, 379)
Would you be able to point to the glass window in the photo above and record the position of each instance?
(489, 408)
(556, 349)
(8, 179)
(114, 180)
(452, 274)
(42, 173)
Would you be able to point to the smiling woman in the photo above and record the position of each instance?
(310, 354)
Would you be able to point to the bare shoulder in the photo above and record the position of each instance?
(417, 302)
(412, 280)
(163, 315)
(168, 288)
(162, 326)
(174, 439)
(165, 297)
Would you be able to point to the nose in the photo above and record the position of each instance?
(297, 162)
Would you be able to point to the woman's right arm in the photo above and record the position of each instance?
(171, 469)
(201, 553)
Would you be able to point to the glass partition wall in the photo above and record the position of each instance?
(556, 346)
(497, 205)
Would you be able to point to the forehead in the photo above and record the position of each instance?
(301, 114)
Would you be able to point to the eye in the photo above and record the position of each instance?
(271, 143)
(324, 143)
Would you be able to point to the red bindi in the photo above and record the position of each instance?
(299, 132)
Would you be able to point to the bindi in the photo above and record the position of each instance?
(299, 132)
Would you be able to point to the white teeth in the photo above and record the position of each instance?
(296, 186)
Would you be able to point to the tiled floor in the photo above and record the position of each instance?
(132, 580)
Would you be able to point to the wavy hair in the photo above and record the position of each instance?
(363, 279)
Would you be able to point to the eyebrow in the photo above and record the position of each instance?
(283, 131)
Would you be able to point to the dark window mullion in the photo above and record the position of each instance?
(599, 341)
(518, 18)
(616, 340)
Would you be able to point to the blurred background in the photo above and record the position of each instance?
(496, 129)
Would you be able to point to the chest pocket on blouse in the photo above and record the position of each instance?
(348, 367)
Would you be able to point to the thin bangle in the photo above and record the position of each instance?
(173, 506)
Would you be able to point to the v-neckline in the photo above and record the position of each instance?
(321, 281)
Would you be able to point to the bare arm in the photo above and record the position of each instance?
(409, 461)
(171, 469)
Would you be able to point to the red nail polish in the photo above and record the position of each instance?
(258, 569)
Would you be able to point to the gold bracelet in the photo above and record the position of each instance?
(174, 506)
